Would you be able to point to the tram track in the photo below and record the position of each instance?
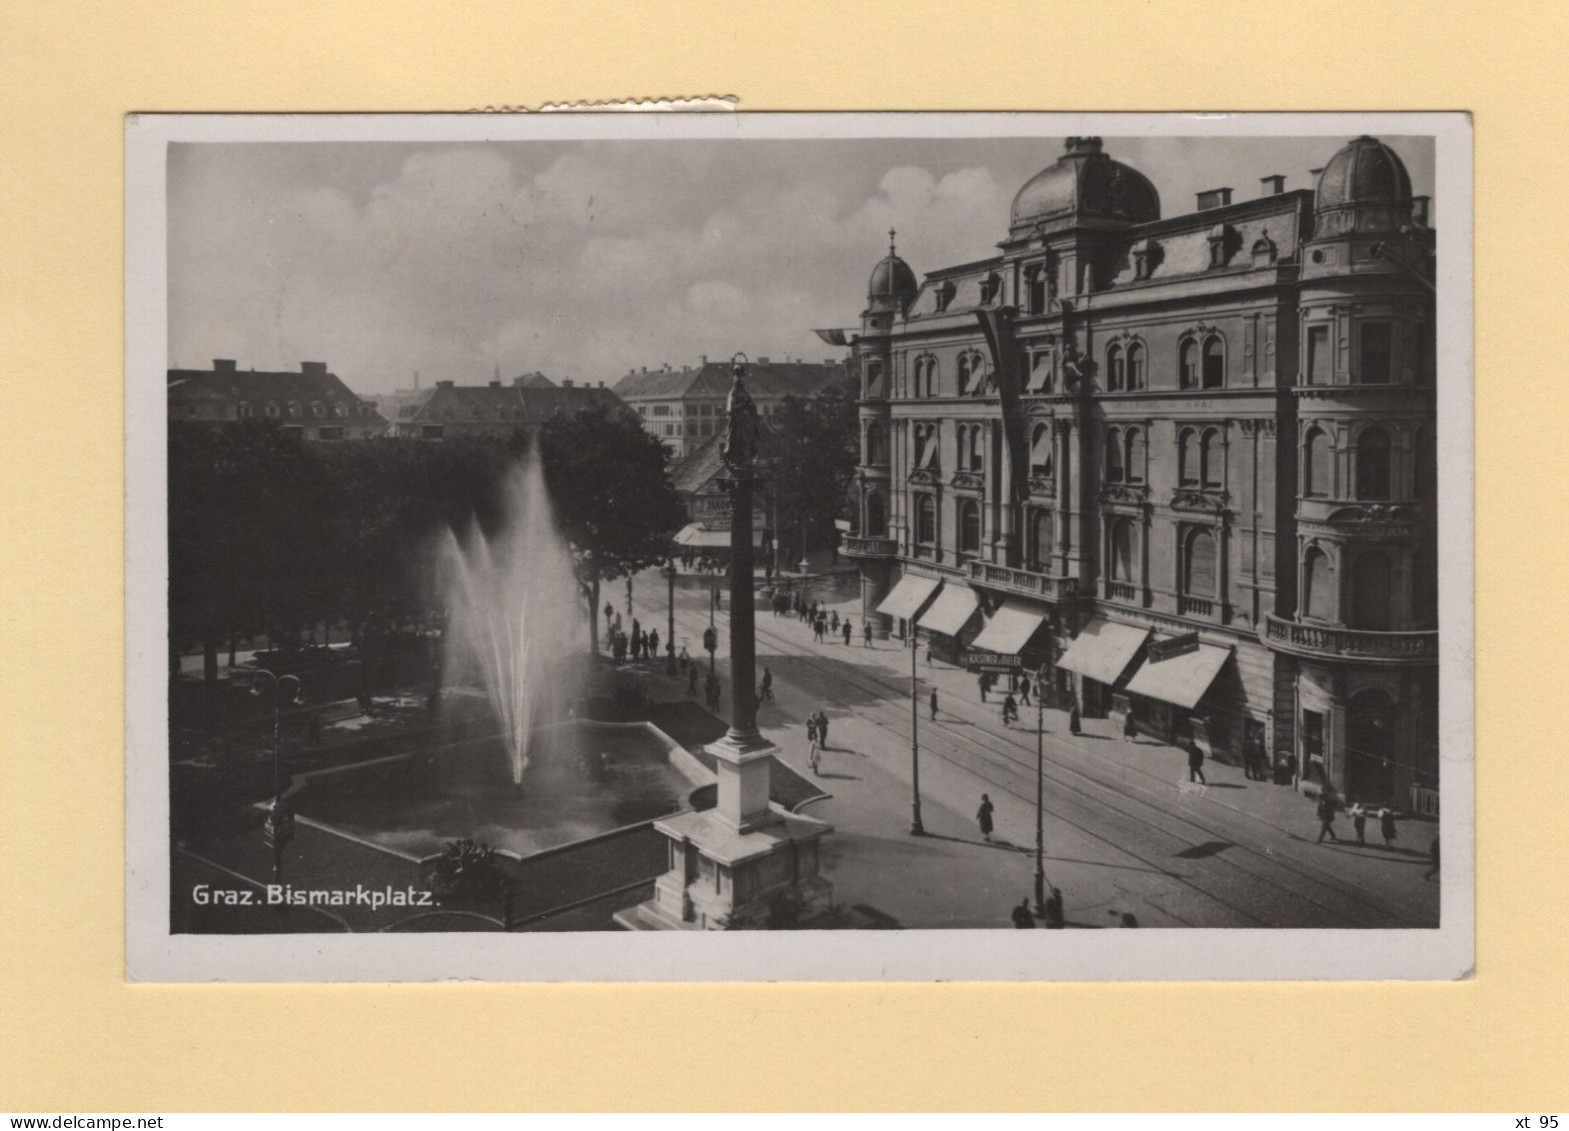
(1130, 803)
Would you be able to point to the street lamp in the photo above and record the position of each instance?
(916, 828)
(278, 829)
(1040, 772)
(670, 641)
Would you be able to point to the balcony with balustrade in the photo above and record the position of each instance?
(1329, 642)
(1028, 583)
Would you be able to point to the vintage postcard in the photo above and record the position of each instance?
(718, 546)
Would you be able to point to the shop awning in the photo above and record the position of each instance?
(1103, 650)
(952, 610)
(1009, 629)
(1181, 680)
(699, 536)
(909, 596)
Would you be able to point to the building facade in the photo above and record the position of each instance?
(686, 406)
(313, 403)
(1183, 465)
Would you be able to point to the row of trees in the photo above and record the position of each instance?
(270, 535)
(813, 453)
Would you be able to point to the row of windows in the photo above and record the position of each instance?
(295, 410)
(1372, 465)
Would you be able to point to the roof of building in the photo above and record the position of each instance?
(1084, 184)
(313, 384)
(514, 405)
(704, 463)
(892, 281)
(1365, 171)
(764, 378)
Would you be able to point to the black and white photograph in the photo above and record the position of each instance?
(596, 546)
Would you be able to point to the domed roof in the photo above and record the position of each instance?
(892, 280)
(1364, 189)
(1365, 172)
(1085, 182)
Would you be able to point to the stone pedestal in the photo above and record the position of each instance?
(741, 865)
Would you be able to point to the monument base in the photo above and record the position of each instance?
(743, 865)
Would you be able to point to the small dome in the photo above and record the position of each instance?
(892, 281)
(1084, 182)
(1365, 188)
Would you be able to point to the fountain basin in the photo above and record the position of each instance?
(584, 778)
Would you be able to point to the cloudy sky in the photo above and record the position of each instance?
(586, 259)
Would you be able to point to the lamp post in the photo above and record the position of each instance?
(916, 828)
(670, 640)
(629, 598)
(278, 829)
(1040, 772)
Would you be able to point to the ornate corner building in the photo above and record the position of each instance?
(1184, 466)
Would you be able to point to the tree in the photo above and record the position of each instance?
(612, 495)
(814, 453)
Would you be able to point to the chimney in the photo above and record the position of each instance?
(223, 365)
(645, 369)
(495, 384)
(518, 381)
(1419, 210)
(1214, 198)
(443, 384)
(318, 367)
(566, 383)
(1274, 184)
(1083, 146)
(762, 361)
(601, 384)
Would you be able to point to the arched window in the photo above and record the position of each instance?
(340, 410)
(1040, 541)
(925, 520)
(1318, 585)
(876, 515)
(1113, 456)
(1317, 470)
(978, 448)
(1120, 549)
(1134, 464)
(294, 409)
(1040, 450)
(272, 409)
(318, 410)
(245, 410)
(1198, 572)
(1187, 460)
(969, 527)
(1137, 378)
(1214, 363)
(964, 374)
(1188, 365)
(1373, 464)
(876, 445)
(1212, 459)
(1372, 591)
(1114, 373)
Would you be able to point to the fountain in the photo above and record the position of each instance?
(513, 610)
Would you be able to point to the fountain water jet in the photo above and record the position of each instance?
(513, 609)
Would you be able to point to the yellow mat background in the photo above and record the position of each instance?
(75, 1037)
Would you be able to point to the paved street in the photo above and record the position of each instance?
(1124, 832)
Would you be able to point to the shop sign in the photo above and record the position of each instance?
(992, 662)
(1160, 650)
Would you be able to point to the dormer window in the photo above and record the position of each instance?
(991, 287)
(1264, 251)
(944, 294)
(1146, 257)
(1220, 241)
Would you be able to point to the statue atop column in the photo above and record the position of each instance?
(740, 448)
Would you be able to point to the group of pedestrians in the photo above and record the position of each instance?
(824, 622)
(637, 645)
(817, 739)
(1329, 805)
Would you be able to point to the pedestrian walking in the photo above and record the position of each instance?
(1326, 817)
(1054, 919)
(1196, 764)
(934, 704)
(1024, 690)
(766, 693)
(833, 622)
(1010, 710)
(1073, 719)
(1358, 817)
(691, 677)
(847, 632)
(1021, 915)
(822, 727)
(813, 746)
(1386, 826)
(1130, 728)
(866, 634)
(983, 817)
(928, 654)
(685, 658)
(982, 682)
(653, 644)
(1432, 854)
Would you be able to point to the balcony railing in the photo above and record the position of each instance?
(1195, 606)
(1122, 591)
(1024, 581)
(1350, 643)
(860, 546)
